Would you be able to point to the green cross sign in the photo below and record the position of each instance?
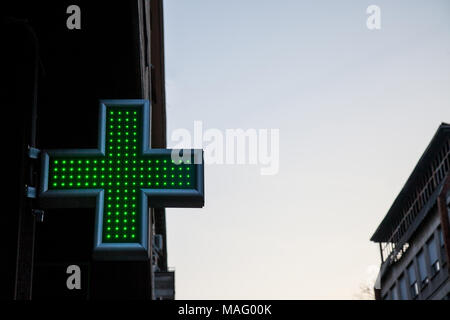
(121, 179)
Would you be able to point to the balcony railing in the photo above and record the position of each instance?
(392, 250)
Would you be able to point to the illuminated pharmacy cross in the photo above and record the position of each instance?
(123, 176)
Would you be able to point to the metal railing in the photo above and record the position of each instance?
(392, 250)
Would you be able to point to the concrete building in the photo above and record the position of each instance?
(414, 236)
(54, 78)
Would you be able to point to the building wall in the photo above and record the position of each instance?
(65, 73)
(439, 284)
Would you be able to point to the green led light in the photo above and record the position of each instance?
(118, 171)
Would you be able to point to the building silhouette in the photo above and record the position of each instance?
(54, 79)
(414, 236)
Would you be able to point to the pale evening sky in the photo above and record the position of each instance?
(355, 109)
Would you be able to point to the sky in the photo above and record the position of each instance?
(355, 109)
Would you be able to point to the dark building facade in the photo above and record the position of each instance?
(414, 236)
(52, 80)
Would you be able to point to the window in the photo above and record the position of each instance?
(442, 246)
(403, 291)
(422, 268)
(394, 293)
(441, 237)
(434, 258)
(413, 287)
